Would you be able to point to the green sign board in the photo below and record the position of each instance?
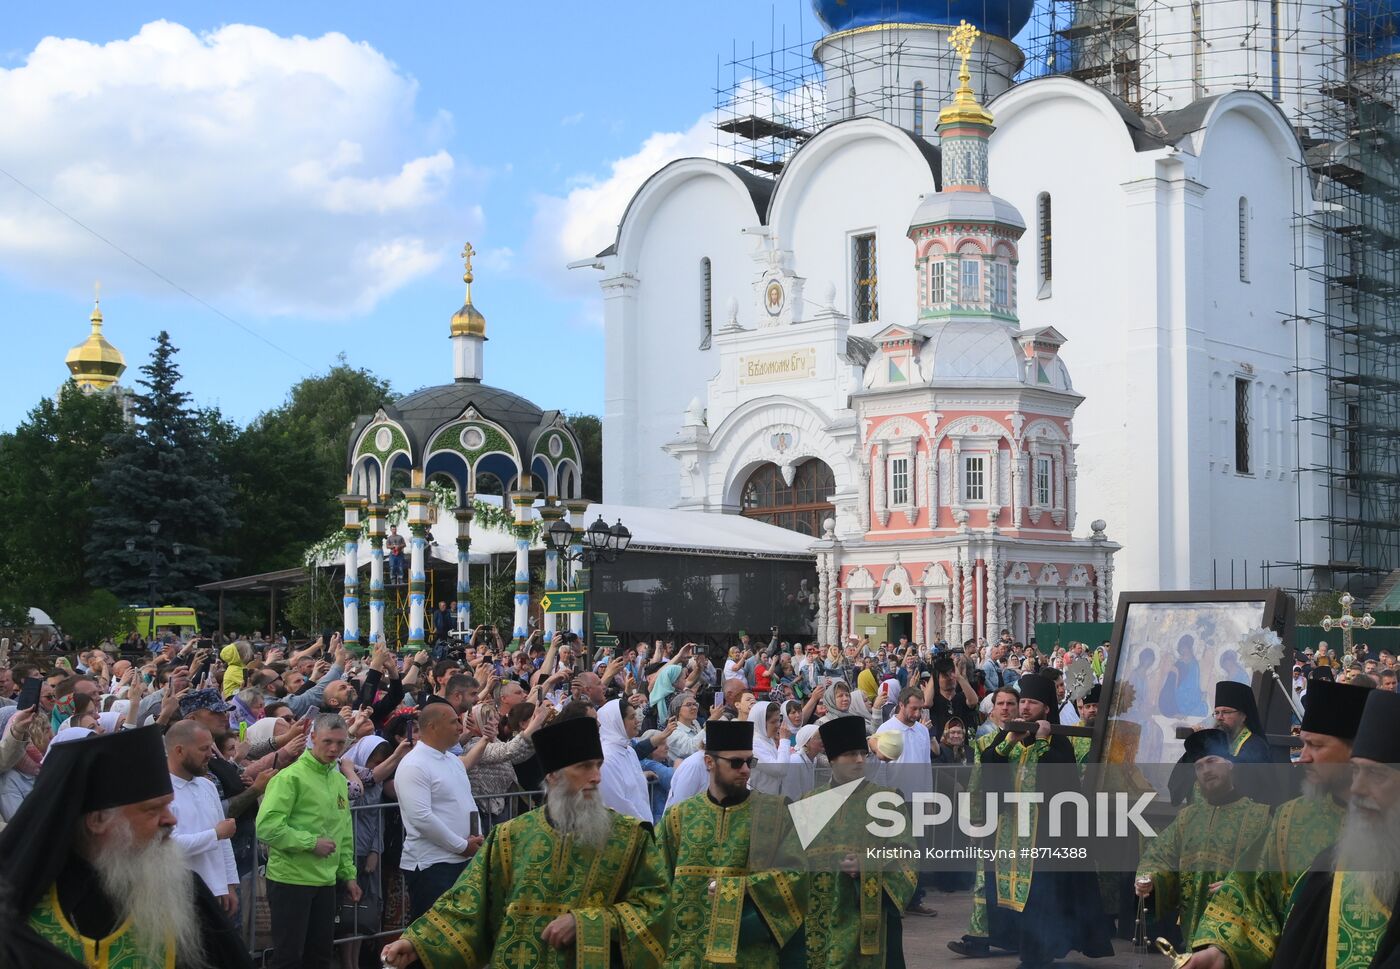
(562, 601)
(605, 641)
(601, 624)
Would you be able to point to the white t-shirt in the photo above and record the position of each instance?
(916, 741)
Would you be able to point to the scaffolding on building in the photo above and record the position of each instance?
(1318, 61)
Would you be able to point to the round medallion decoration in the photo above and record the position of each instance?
(773, 298)
(383, 438)
(472, 438)
(556, 446)
(898, 589)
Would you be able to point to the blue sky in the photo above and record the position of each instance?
(318, 190)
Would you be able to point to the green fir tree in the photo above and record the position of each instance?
(162, 493)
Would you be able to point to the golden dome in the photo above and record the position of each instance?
(468, 320)
(95, 362)
(964, 109)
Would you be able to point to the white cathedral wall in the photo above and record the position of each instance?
(857, 177)
(654, 362)
(1249, 337)
(1099, 297)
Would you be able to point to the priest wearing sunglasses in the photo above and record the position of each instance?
(736, 882)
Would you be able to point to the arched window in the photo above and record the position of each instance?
(919, 108)
(851, 103)
(1244, 239)
(1043, 241)
(800, 507)
(707, 317)
(488, 484)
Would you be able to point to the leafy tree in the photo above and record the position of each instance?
(1327, 602)
(95, 617)
(288, 467)
(164, 469)
(589, 431)
(46, 498)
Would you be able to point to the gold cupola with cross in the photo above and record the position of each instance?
(468, 331)
(95, 364)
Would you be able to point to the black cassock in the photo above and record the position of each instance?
(1304, 943)
(1063, 911)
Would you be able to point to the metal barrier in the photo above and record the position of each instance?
(255, 922)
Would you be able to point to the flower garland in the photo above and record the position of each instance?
(484, 514)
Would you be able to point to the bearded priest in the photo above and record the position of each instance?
(1343, 914)
(572, 883)
(738, 888)
(94, 872)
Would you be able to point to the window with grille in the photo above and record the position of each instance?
(1242, 417)
(1001, 284)
(919, 108)
(970, 283)
(899, 481)
(1043, 236)
(936, 293)
(1244, 239)
(1042, 482)
(863, 271)
(800, 507)
(707, 319)
(974, 479)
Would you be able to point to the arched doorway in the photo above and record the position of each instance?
(800, 507)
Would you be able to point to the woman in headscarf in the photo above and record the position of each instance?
(371, 761)
(247, 708)
(624, 786)
(494, 775)
(686, 738)
(21, 753)
(831, 665)
(801, 774)
(868, 684)
(770, 747)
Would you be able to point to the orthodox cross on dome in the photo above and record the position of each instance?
(962, 38)
(467, 253)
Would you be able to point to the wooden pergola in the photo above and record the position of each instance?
(266, 582)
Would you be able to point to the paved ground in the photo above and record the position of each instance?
(926, 942)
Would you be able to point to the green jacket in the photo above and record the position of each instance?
(303, 802)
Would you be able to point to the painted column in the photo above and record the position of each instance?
(376, 514)
(523, 503)
(464, 573)
(979, 628)
(994, 616)
(550, 513)
(577, 509)
(351, 623)
(418, 499)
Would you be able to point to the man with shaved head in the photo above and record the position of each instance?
(437, 805)
(201, 829)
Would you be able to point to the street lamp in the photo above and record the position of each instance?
(601, 543)
(153, 527)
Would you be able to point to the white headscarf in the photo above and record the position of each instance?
(768, 779)
(624, 786)
(360, 751)
(689, 779)
(67, 735)
(109, 720)
(800, 775)
(261, 731)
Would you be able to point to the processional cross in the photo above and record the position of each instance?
(1347, 622)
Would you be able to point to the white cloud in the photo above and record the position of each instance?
(278, 174)
(584, 221)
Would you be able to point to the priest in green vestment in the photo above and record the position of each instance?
(978, 941)
(1042, 914)
(855, 919)
(1205, 842)
(1343, 914)
(1242, 923)
(731, 905)
(93, 875)
(570, 884)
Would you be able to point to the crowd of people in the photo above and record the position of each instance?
(338, 794)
